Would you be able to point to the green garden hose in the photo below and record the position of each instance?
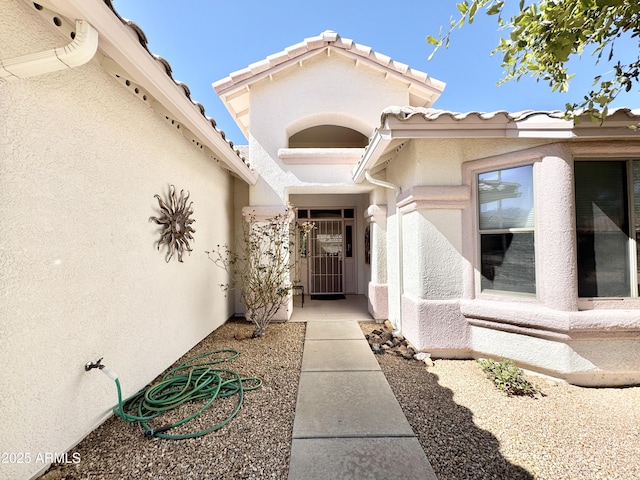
(192, 380)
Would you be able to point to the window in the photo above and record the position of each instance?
(506, 227)
(607, 227)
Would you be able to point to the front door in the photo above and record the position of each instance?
(326, 257)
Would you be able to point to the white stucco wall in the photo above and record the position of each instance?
(325, 90)
(438, 161)
(443, 310)
(80, 160)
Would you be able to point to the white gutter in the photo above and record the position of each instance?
(78, 52)
(372, 154)
(395, 188)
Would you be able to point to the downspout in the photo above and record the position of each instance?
(78, 52)
(395, 188)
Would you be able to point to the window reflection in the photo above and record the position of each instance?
(506, 198)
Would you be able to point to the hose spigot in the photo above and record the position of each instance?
(91, 365)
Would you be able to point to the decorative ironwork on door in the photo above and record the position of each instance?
(326, 257)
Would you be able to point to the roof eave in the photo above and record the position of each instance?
(118, 42)
(423, 89)
(406, 123)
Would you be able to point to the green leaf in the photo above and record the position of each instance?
(494, 9)
(472, 11)
(432, 40)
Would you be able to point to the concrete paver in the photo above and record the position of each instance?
(338, 355)
(340, 330)
(348, 422)
(359, 459)
(347, 404)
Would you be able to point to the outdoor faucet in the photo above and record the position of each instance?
(91, 365)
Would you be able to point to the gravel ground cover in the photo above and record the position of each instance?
(256, 444)
(471, 430)
(468, 428)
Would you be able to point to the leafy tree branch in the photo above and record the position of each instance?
(544, 35)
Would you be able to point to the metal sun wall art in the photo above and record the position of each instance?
(176, 231)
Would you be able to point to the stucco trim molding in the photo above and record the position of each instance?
(434, 197)
(320, 156)
(376, 214)
(605, 149)
(546, 323)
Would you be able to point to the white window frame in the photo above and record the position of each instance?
(479, 232)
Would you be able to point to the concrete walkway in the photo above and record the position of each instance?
(348, 423)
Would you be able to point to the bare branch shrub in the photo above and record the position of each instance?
(259, 266)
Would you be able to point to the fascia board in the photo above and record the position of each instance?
(120, 43)
(606, 132)
(497, 127)
(377, 146)
(230, 92)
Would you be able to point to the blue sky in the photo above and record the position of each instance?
(206, 40)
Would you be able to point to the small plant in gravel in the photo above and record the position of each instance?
(508, 377)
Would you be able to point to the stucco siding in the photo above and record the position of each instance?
(431, 254)
(81, 160)
(324, 90)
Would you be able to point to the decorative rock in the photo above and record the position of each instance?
(382, 340)
(386, 335)
(421, 356)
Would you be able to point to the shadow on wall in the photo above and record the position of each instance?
(454, 445)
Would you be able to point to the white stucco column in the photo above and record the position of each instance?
(378, 289)
(555, 230)
(433, 269)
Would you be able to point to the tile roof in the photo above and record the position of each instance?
(234, 89)
(142, 38)
(498, 124)
(325, 39)
(434, 114)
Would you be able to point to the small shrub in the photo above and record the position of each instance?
(508, 377)
(259, 265)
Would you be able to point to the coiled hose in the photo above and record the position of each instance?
(194, 379)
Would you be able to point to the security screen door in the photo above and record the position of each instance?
(326, 257)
